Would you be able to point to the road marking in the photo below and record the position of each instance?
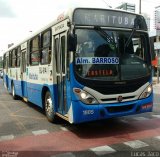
(157, 116)
(140, 118)
(64, 155)
(40, 132)
(64, 129)
(29, 117)
(102, 150)
(124, 121)
(136, 144)
(7, 137)
(157, 137)
(20, 124)
(23, 108)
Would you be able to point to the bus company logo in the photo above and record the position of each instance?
(120, 98)
(33, 76)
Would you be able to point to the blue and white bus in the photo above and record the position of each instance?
(89, 64)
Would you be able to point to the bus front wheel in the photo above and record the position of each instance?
(49, 107)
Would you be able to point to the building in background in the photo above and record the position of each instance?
(155, 39)
(157, 28)
(127, 7)
(157, 20)
(148, 20)
(131, 8)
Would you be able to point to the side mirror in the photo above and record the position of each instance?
(72, 42)
(139, 23)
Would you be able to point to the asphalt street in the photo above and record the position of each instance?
(25, 131)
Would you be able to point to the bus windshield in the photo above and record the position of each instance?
(104, 54)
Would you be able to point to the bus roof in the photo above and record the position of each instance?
(70, 15)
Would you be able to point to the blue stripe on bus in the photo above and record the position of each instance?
(32, 91)
(85, 112)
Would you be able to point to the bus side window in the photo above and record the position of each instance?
(18, 56)
(10, 59)
(46, 48)
(35, 51)
(4, 61)
(138, 52)
(14, 58)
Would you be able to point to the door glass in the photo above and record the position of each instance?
(56, 55)
(63, 53)
(23, 62)
(63, 72)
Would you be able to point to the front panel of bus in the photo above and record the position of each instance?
(111, 69)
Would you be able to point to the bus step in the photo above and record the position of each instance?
(25, 99)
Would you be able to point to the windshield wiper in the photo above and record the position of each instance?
(137, 22)
(104, 35)
(130, 37)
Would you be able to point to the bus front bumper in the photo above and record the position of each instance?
(85, 113)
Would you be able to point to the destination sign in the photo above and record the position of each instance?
(97, 60)
(107, 18)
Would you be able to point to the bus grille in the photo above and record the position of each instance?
(116, 109)
(115, 99)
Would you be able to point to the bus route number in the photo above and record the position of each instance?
(88, 112)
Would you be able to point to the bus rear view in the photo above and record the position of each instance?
(111, 65)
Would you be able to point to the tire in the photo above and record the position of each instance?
(49, 108)
(13, 92)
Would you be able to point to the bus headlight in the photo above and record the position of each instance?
(147, 92)
(84, 96)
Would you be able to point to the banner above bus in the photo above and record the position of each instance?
(108, 18)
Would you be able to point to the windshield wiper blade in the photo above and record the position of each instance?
(130, 37)
(137, 22)
(104, 34)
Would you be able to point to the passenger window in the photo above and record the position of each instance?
(46, 48)
(4, 61)
(18, 56)
(10, 59)
(35, 51)
(14, 58)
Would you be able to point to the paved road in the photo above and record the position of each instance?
(25, 131)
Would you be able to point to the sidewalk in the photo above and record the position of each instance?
(155, 80)
(156, 85)
(156, 91)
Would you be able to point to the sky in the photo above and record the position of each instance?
(20, 18)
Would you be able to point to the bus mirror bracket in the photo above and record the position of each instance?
(72, 42)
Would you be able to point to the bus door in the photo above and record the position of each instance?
(23, 73)
(7, 66)
(60, 57)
